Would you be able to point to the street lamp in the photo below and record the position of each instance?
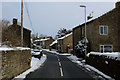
(85, 31)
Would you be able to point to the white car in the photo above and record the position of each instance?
(35, 52)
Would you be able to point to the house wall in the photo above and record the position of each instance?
(66, 41)
(13, 35)
(76, 36)
(14, 62)
(62, 43)
(48, 42)
(112, 19)
(118, 27)
(26, 38)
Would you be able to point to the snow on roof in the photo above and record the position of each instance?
(54, 42)
(95, 17)
(65, 36)
(41, 39)
(111, 55)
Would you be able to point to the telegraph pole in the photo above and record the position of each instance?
(21, 23)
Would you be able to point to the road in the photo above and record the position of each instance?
(59, 67)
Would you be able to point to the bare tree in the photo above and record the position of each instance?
(5, 23)
(62, 32)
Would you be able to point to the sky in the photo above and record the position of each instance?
(48, 17)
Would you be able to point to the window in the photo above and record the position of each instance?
(105, 48)
(103, 30)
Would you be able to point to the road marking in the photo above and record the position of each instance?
(59, 64)
(61, 71)
(58, 59)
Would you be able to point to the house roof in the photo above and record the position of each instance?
(65, 36)
(54, 42)
(38, 40)
(11, 26)
(93, 19)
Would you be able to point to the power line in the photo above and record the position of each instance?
(29, 17)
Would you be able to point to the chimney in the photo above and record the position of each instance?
(14, 21)
(117, 4)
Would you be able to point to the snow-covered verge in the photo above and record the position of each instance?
(88, 67)
(55, 52)
(35, 64)
(112, 55)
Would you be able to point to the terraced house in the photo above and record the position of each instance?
(65, 43)
(102, 32)
(44, 42)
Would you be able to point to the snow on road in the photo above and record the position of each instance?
(35, 64)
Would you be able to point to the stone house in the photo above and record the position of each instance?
(102, 32)
(54, 45)
(43, 43)
(65, 43)
(12, 35)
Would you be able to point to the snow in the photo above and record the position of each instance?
(54, 52)
(54, 42)
(6, 48)
(112, 55)
(42, 39)
(22, 48)
(65, 54)
(35, 64)
(88, 67)
(65, 36)
(106, 62)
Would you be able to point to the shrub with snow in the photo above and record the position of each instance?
(80, 48)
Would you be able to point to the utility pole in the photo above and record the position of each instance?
(21, 23)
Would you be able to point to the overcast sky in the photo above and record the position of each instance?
(48, 17)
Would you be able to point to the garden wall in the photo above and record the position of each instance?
(107, 65)
(14, 62)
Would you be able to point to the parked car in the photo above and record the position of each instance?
(36, 53)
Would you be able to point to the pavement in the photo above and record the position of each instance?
(58, 67)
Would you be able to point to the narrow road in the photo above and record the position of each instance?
(59, 67)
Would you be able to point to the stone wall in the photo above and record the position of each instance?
(14, 62)
(111, 67)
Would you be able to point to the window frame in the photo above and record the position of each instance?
(104, 48)
(103, 26)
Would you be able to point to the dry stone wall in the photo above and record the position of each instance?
(14, 62)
